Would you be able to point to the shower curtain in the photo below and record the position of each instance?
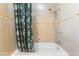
(23, 25)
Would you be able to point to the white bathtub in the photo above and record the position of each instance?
(44, 49)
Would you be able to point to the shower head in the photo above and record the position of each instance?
(54, 11)
(51, 10)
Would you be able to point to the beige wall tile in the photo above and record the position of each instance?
(7, 32)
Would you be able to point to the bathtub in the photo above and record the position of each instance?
(44, 49)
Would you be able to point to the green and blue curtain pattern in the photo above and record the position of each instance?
(23, 25)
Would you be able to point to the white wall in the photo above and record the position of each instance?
(70, 27)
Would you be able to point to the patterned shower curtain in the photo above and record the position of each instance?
(23, 25)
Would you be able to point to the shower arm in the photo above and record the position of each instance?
(55, 12)
(69, 18)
